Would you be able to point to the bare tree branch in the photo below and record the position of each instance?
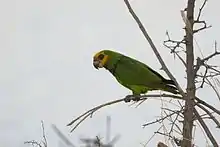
(198, 21)
(88, 113)
(36, 143)
(212, 55)
(200, 10)
(210, 114)
(202, 62)
(207, 105)
(214, 88)
(204, 77)
(175, 124)
(161, 119)
(33, 143)
(206, 129)
(177, 44)
(176, 140)
(44, 136)
(201, 28)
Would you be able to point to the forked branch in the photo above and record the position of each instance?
(42, 143)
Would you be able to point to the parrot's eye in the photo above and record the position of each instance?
(101, 56)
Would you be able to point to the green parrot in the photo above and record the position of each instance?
(133, 74)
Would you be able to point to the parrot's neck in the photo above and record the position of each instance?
(112, 68)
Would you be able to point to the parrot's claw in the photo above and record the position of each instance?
(128, 98)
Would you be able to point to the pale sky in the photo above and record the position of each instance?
(47, 74)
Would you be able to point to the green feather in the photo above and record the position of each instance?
(136, 75)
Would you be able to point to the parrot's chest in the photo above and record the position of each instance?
(128, 79)
(121, 79)
(138, 89)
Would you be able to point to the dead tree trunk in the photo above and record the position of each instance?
(189, 103)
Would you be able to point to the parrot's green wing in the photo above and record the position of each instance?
(139, 77)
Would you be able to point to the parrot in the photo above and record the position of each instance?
(132, 74)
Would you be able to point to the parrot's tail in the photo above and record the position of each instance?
(170, 82)
(171, 87)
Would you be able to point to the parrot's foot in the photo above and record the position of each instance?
(128, 98)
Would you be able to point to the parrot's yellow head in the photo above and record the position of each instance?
(100, 59)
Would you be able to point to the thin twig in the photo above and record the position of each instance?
(210, 114)
(176, 140)
(201, 28)
(36, 143)
(201, 62)
(174, 124)
(173, 48)
(214, 88)
(161, 119)
(200, 9)
(91, 111)
(204, 77)
(206, 129)
(33, 143)
(207, 105)
(44, 136)
(212, 55)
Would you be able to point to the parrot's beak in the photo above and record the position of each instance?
(96, 63)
